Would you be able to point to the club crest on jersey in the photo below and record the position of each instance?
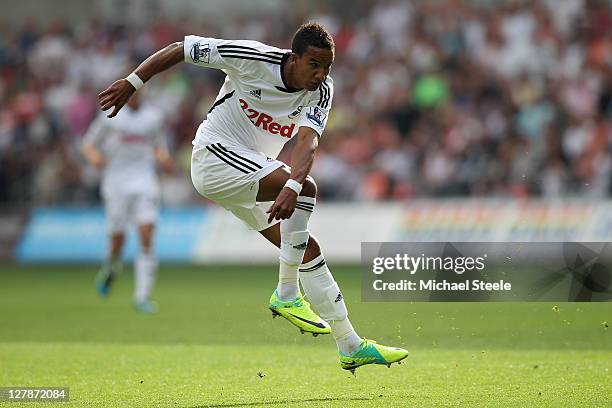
(316, 115)
(295, 112)
(200, 53)
(264, 121)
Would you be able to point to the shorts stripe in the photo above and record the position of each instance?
(237, 156)
(224, 159)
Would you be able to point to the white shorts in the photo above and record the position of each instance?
(124, 209)
(230, 177)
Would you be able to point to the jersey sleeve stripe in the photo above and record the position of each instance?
(271, 61)
(327, 89)
(324, 95)
(254, 53)
(228, 46)
(320, 95)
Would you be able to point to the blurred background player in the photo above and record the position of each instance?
(270, 95)
(126, 150)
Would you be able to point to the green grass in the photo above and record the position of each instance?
(214, 344)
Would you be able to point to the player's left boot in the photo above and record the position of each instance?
(370, 352)
(146, 306)
(299, 313)
(104, 280)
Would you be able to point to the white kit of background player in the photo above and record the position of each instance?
(126, 149)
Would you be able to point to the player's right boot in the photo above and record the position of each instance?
(299, 313)
(370, 352)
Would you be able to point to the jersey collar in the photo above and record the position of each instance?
(285, 87)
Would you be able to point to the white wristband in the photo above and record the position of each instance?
(294, 185)
(135, 80)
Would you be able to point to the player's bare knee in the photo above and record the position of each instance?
(117, 241)
(272, 234)
(146, 248)
(146, 240)
(309, 189)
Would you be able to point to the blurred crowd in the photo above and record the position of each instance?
(432, 99)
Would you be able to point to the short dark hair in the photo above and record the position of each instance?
(311, 34)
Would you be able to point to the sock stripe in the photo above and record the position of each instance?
(305, 204)
(298, 206)
(310, 207)
(313, 268)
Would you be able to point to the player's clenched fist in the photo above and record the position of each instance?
(115, 96)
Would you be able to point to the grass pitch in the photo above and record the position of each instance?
(214, 344)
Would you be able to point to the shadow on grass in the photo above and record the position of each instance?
(282, 402)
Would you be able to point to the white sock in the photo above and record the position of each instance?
(294, 239)
(287, 288)
(346, 338)
(327, 300)
(145, 272)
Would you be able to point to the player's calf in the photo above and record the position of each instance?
(108, 273)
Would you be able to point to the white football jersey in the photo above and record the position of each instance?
(128, 143)
(254, 108)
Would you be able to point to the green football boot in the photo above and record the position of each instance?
(299, 313)
(370, 352)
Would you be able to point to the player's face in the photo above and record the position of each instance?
(313, 67)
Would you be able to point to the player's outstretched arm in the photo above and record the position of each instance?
(117, 95)
(302, 158)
